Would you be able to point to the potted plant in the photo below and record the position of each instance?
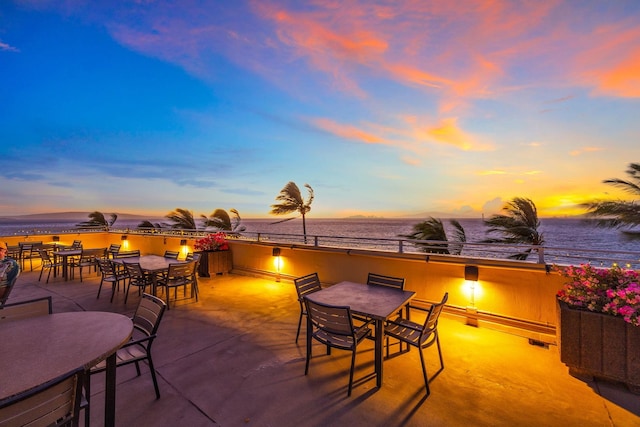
(598, 323)
(216, 256)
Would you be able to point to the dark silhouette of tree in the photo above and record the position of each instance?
(519, 225)
(97, 219)
(221, 220)
(433, 229)
(618, 213)
(182, 219)
(148, 225)
(291, 200)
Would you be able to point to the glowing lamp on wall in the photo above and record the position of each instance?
(471, 276)
(277, 262)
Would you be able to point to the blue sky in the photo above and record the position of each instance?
(386, 108)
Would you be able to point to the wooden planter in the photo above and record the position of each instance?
(214, 262)
(599, 345)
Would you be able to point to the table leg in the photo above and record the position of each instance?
(110, 392)
(378, 351)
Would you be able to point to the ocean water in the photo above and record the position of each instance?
(567, 240)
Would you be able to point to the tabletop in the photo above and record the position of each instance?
(150, 263)
(377, 302)
(41, 348)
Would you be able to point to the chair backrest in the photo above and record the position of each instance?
(307, 284)
(148, 314)
(191, 256)
(56, 402)
(77, 244)
(389, 281)
(114, 249)
(184, 269)
(46, 258)
(171, 254)
(431, 322)
(133, 269)
(335, 320)
(26, 309)
(127, 254)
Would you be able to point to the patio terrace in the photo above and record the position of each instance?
(231, 360)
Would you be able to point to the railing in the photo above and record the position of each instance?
(536, 254)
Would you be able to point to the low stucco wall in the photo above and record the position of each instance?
(512, 296)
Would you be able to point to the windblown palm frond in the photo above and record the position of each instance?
(220, 219)
(97, 219)
(291, 200)
(182, 219)
(620, 213)
(518, 226)
(433, 229)
(146, 224)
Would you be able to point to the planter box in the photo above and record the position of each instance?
(599, 345)
(214, 262)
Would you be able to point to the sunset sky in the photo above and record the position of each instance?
(386, 108)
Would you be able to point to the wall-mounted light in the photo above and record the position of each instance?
(471, 273)
(277, 261)
(56, 238)
(471, 276)
(183, 242)
(124, 237)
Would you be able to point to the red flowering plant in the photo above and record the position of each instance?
(612, 290)
(212, 242)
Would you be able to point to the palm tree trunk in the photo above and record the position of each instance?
(304, 229)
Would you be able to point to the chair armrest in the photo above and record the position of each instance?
(139, 341)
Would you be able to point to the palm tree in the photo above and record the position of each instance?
(220, 219)
(292, 201)
(182, 219)
(518, 226)
(148, 225)
(621, 213)
(97, 219)
(433, 229)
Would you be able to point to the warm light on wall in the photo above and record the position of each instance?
(184, 248)
(277, 262)
(125, 242)
(56, 238)
(471, 276)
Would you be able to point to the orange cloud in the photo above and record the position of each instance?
(585, 150)
(447, 132)
(347, 131)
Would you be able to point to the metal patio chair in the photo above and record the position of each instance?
(48, 263)
(418, 335)
(146, 321)
(54, 403)
(110, 274)
(136, 277)
(180, 274)
(333, 327)
(305, 285)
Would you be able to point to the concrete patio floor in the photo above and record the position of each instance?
(231, 360)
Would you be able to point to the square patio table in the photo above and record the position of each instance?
(379, 303)
(150, 264)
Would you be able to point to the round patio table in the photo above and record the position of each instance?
(39, 349)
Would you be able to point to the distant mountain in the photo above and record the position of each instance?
(67, 216)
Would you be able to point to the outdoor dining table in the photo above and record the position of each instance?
(65, 254)
(379, 303)
(38, 349)
(153, 265)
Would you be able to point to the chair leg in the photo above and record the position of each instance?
(153, 376)
(299, 324)
(40, 278)
(424, 371)
(126, 294)
(353, 364)
(87, 392)
(48, 274)
(306, 368)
